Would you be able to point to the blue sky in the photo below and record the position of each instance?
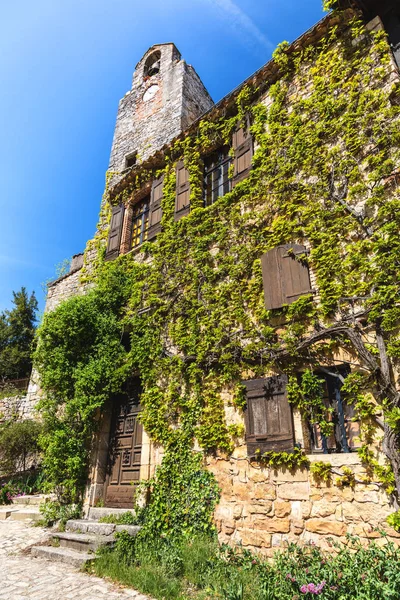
(64, 65)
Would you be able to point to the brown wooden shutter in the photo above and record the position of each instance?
(114, 236)
(182, 200)
(242, 144)
(268, 416)
(155, 207)
(285, 278)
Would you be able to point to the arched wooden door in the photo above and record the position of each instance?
(125, 448)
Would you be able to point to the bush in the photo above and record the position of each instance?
(55, 512)
(6, 493)
(26, 483)
(18, 442)
(202, 570)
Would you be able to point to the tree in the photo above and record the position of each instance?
(17, 333)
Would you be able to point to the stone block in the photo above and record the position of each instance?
(273, 525)
(282, 508)
(294, 491)
(242, 476)
(264, 491)
(322, 508)
(241, 491)
(283, 475)
(228, 527)
(237, 511)
(367, 496)
(258, 475)
(364, 530)
(263, 508)
(364, 511)
(297, 526)
(305, 508)
(240, 452)
(225, 483)
(258, 539)
(223, 512)
(279, 539)
(325, 527)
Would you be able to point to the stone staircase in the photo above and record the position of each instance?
(83, 537)
(23, 508)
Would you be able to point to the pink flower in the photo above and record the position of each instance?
(311, 588)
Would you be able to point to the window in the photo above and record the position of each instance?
(391, 22)
(140, 222)
(152, 64)
(345, 431)
(130, 160)
(216, 176)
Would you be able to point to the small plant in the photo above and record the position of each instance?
(126, 518)
(290, 460)
(322, 471)
(394, 520)
(347, 479)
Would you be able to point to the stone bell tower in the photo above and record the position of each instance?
(167, 95)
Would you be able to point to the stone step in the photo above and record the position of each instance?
(31, 500)
(90, 526)
(66, 555)
(26, 513)
(82, 542)
(5, 513)
(95, 513)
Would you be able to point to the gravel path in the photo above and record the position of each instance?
(23, 577)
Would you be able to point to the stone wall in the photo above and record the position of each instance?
(263, 508)
(63, 288)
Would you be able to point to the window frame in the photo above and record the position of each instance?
(217, 160)
(332, 383)
(142, 218)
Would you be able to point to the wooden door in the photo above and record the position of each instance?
(124, 451)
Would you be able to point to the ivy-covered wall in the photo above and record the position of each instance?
(325, 122)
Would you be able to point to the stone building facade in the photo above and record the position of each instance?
(261, 507)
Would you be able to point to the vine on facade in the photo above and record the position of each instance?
(200, 283)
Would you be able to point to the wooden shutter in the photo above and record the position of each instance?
(242, 144)
(182, 200)
(155, 207)
(268, 416)
(285, 278)
(114, 236)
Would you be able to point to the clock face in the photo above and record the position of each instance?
(150, 92)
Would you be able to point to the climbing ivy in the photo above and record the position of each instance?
(327, 150)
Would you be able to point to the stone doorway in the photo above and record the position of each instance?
(125, 449)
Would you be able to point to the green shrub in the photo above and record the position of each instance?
(6, 493)
(55, 512)
(18, 441)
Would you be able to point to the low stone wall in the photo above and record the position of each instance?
(263, 509)
(21, 405)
